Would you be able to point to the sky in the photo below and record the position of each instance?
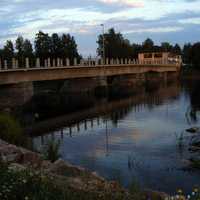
(175, 21)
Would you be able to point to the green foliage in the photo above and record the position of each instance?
(10, 130)
(51, 150)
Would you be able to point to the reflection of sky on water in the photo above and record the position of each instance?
(141, 147)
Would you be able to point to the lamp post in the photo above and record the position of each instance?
(103, 31)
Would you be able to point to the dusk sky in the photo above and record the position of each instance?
(176, 21)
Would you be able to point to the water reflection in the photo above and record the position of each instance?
(129, 137)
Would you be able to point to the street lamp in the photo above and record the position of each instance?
(103, 31)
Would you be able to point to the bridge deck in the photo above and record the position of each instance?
(13, 76)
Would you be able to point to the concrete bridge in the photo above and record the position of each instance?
(59, 69)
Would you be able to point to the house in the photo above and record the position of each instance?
(159, 58)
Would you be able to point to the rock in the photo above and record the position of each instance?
(150, 194)
(193, 130)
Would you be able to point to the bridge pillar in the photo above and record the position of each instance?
(13, 63)
(54, 63)
(67, 62)
(96, 62)
(5, 64)
(122, 61)
(16, 64)
(61, 62)
(118, 61)
(111, 61)
(75, 61)
(45, 63)
(49, 62)
(129, 61)
(107, 61)
(27, 63)
(102, 62)
(37, 63)
(58, 62)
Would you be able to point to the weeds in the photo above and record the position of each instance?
(51, 150)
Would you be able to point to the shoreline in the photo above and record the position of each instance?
(74, 177)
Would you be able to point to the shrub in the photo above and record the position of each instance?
(10, 130)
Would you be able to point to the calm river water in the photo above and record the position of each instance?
(133, 139)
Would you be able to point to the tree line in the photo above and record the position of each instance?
(45, 46)
(116, 46)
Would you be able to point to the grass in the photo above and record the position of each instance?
(51, 150)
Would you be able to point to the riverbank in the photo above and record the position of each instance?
(68, 178)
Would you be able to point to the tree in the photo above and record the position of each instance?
(195, 55)
(56, 46)
(148, 45)
(8, 52)
(28, 49)
(42, 45)
(187, 53)
(19, 47)
(166, 46)
(177, 49)
(116, 46)
(69, 47)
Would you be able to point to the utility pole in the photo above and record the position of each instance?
(103, 32)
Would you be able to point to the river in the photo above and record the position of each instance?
(132, 138)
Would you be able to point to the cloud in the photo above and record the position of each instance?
(130, 3)
(157, 30)
(195, 20)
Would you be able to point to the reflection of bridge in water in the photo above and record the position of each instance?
(98, 115)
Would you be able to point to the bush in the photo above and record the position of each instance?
(10, 130)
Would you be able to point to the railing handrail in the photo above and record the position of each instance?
(13, 64)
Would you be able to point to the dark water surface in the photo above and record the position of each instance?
(134, 138)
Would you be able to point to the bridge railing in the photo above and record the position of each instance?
(13, 64)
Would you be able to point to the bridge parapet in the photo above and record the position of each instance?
(7, 65)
